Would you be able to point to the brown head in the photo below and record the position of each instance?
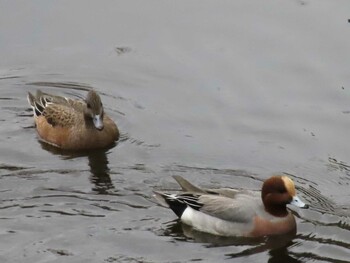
(94, 109)
(277, 192)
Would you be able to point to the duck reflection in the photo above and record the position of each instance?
(282, 255)
(98, 163)
(177, 229)
(277, 246)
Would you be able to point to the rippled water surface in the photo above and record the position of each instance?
(223, 93)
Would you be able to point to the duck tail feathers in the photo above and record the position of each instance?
(186, 185)
(161, 198)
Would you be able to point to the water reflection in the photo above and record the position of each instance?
(277, 246)
(99, 169)
(282, 255)
(97, 161)
(180, 231)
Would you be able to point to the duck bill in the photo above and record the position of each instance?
(98, 122)
(297, 202)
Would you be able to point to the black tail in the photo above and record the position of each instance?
(172, 202)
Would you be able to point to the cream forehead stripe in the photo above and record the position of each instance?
(289, 185)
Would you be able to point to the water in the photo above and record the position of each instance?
(222, 93)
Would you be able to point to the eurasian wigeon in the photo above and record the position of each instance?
(73, 124)
(231, 212)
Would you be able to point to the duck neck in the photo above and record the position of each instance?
(277, 210)
(276, 204)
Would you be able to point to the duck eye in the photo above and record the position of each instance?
(88, 105)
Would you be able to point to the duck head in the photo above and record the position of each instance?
(94, 109)
(277, 192)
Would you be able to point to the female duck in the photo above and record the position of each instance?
(230, 212)
(73, 124)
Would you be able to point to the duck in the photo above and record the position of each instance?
(235, 212)
(72, 124)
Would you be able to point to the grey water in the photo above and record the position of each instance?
(223, 93)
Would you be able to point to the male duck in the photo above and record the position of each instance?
(230, 212)
(73, 124)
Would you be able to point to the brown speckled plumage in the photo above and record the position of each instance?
(61, 115)
(73, 124)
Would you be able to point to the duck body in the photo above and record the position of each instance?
(73, 124)
(232, 212)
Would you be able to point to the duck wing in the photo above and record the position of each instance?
(228, 204)
(241, 209)
(228, 192)
(41, 100)
(57, 110)
(59, 115)
(78, 105)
